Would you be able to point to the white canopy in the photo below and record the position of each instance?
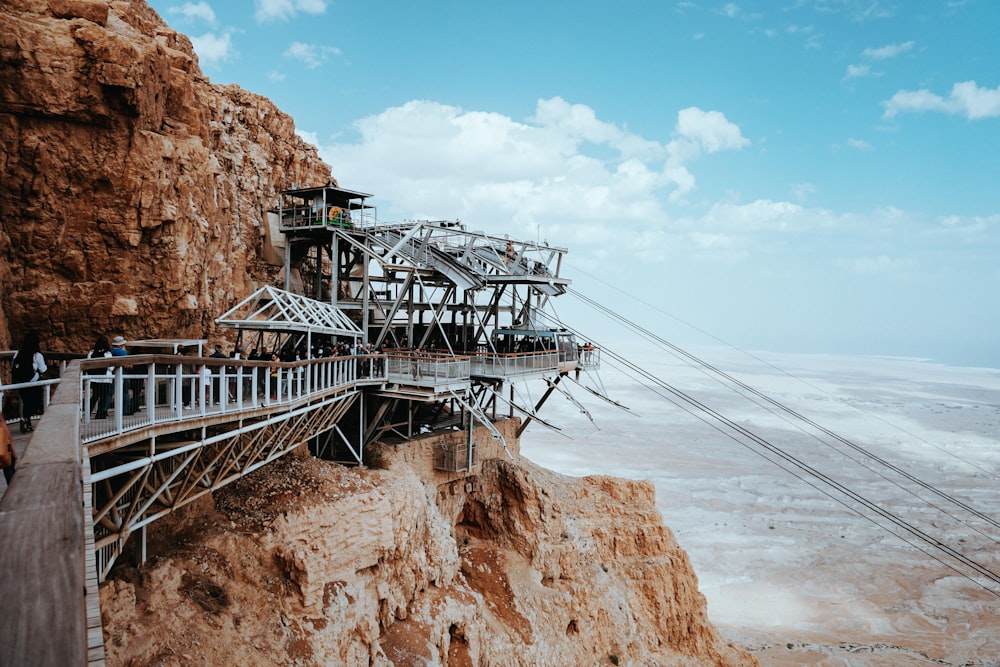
(273, 309)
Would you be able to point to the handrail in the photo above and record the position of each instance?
(142, 391)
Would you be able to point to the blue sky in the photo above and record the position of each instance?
(798, 176)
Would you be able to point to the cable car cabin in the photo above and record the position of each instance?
(524, 341)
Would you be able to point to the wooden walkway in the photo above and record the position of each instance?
(44, 550)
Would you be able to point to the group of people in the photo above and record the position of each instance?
(101, 384)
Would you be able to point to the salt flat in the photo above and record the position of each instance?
(792, 569)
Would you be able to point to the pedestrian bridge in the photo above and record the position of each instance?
(172, 429)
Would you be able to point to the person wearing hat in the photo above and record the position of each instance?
(118, 350)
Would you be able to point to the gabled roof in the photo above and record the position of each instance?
(273, 309)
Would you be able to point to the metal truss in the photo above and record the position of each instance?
(134, 486)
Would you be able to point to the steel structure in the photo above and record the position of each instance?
(429, 287)
(451, 318)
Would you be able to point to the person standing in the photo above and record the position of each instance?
(29, 366)
(118, 350)
(100, 383)
(216, 373)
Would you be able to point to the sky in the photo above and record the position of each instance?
(808, 176)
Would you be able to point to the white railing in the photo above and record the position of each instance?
(590, 357)
(426, 369)
(46, 386)
(145, 390)
(493, 364)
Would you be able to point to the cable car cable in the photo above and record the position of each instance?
(816, 473)
(880, 460)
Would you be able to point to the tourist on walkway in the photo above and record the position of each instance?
(189, 376)
(30, 358)
(128, 389)
(216, 373)
(100, 379)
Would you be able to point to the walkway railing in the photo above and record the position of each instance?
(57, 364)
(494, 364)
(122, 394)
(429, 370)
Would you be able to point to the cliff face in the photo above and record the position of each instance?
(132, 201)
(306, 562)
(134, 190)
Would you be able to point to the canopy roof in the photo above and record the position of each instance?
(331, 195)
(273, 309)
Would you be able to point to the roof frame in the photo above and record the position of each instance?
(273, 309)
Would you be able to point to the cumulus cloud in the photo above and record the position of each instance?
(859, 144)
(966, 99)
(888, 51)
(563, 167)
(213, 49)
(191, 11)
(285, 10)
(310, 55)
(699, 131)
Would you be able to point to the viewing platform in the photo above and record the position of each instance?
(392, 330)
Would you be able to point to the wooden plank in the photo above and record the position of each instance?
(41, 594)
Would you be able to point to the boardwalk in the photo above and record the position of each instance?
(64, 524)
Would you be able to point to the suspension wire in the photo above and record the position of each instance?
(703, 412)
(791, 471)
(781, 370)
(702, 364)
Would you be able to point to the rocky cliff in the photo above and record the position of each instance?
(134, 190)
(133, 201)
(307, 562)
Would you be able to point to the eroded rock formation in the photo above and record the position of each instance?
(134, 190)
(306, 562)
(133, 201)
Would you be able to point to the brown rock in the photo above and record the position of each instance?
(133, 190)
(513, 565)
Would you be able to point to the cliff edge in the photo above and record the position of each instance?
(307, 562)
(134, 190)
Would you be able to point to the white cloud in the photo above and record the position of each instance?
(857, 71)
(888, 51)
(966, 99)
(285, 10)
(311, 55)
(730, 9)
(859, 144)
(563, 167)
(275, 75)
(802, 191)
(195, 10)
(707, 131)
(213, 49)
(308, 137)
(759, 215)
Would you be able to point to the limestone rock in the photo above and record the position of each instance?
(134, 190)
(307, 562)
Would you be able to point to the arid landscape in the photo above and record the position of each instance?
(790, 573)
